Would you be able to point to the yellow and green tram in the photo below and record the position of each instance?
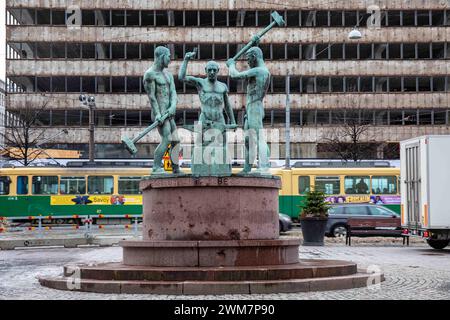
(341, 185)
(63, 193)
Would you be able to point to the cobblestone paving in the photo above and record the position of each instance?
(59, 234)
(416, 272)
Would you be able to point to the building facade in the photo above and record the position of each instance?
(393, 81)
(2, 113)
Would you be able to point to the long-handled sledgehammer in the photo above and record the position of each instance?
(130, 144)
(277, 21)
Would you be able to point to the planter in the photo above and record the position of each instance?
(313, 230)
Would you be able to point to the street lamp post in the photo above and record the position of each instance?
(90, 103)
(355, 34)
(288, 123)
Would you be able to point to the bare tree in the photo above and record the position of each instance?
(346, 141)
(23, 133)
(390, 150)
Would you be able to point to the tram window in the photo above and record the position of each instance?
(5, 181)
(357, 185)
(328, 185)
(129, 185)
(45, 185)
(303, 184)
(100, 185)
(73, 185)
(384, 185)
(22, 185)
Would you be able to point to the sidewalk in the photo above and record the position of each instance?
(412, 273)
(65, 238)
(112, 236)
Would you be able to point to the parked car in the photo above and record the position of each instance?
(285, 222)
(340, 213)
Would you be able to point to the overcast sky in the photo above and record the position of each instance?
(3, 40)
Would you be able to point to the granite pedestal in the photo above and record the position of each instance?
(211, 235)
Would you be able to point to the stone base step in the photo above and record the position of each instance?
(357, 280)
(211, 253)
(302, 270)
(307, 275)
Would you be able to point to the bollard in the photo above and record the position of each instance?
(40, 226)
(135, 226)
(87, 227)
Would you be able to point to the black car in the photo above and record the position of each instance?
(340, 213)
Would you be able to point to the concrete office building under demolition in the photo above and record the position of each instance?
(392, 83)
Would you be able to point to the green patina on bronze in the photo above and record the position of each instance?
(210, 156)
(160, 88)
(258, 81)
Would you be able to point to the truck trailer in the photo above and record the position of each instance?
(424, 181)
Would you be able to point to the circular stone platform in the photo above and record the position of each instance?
(211, 235)
(307, 275)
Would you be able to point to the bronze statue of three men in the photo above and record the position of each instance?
(216, 111)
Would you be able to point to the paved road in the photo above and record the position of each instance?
(416, 272)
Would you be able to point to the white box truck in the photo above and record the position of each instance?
(425, 192)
